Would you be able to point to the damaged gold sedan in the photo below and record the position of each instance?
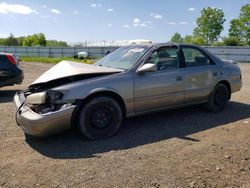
(129, 81)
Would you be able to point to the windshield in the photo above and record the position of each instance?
(123, 58)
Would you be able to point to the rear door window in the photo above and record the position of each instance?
(194, 57)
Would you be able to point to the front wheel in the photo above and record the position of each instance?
(99, 118)
(218, 98)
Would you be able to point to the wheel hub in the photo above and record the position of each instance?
(219, 98)
(101, 117)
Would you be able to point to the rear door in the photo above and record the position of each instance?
(201, 72)
(162, 88)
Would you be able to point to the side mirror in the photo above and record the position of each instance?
(148, 67)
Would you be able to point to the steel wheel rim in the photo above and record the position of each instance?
(101, 117)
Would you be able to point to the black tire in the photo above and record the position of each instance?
(218, 98)
(100, 118)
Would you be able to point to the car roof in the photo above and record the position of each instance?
(164, 44)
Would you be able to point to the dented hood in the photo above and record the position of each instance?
(69, 68)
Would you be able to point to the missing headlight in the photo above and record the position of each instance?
(51, 102)
(54, 97)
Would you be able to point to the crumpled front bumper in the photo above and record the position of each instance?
(41, 125)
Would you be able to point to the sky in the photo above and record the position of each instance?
(80, 20)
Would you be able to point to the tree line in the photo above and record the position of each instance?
(37, 39)
(210, 25)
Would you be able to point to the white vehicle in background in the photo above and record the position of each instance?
(140, 41)
(81, 55)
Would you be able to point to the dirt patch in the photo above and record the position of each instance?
(179, 148)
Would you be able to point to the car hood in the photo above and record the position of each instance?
(70, 69)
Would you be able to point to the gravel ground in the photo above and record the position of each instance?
(179, 148)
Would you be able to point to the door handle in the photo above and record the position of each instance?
(179, 78)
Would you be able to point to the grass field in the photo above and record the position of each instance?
(56, 60)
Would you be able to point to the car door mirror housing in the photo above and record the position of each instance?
(148, 67)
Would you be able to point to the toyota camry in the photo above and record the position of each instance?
(130, 81)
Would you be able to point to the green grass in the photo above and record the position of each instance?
(55, 60)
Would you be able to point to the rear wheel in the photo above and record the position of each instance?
(218, 98)
(100, 118)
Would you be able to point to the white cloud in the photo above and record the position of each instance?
(96, 5)
(44, 6)
(136, 20)
(111, 10)
(110, 25)
(143, 25)
(75, 12)
(6, 8)
(171, 23)
(138, 23)
(55, 11)
(156, 16)
(183, 23)
(126, 26)
(191, 9)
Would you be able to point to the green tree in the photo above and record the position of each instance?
(198, 40)
(11, 41)
(209, 24)
(240, 27)
(235, 29)
(188, 39)
(191, 39)
(35, 40)
(231, 41)
(2, 42)
(245, 22)
(56, 43)
(20, 40)
(218, 43)
(177, 38)
(41, 39)
(30, 40)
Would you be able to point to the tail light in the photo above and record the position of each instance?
(11, 59)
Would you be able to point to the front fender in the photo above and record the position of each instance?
(120, 84)
(103, 89)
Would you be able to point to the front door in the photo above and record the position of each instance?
(162, 88)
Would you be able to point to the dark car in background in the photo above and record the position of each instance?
(10, 70)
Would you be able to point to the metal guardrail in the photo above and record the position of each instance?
(237, 53)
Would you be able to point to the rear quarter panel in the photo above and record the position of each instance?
(232, 74)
